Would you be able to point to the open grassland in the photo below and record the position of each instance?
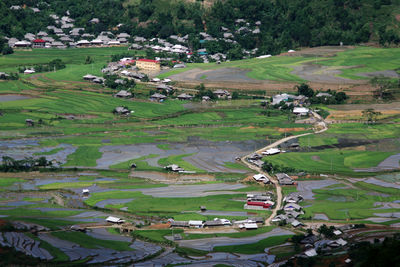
(152, 206)
(240, 234)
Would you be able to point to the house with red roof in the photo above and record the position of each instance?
(38, 43)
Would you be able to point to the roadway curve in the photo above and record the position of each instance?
(319, 122)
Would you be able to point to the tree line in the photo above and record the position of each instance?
(284, 24)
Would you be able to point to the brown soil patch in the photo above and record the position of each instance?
(357, 114)
(359, 148)
(283, 130)
(398, 17)
(159, 226)
(322, 51)
(249, 127)
(316, 158)
(2, 222)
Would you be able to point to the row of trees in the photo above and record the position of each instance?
(56, 64)
(335, 98)
(10, 164)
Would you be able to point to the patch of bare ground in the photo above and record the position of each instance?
(322, 51)
(283, 130)
(159, 226)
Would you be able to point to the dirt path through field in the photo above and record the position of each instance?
(321, 123)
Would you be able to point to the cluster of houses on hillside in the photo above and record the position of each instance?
(62, 33)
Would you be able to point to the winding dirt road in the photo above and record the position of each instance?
(321, 124)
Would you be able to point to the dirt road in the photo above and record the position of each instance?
(321, 124)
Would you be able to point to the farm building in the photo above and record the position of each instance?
(22, 44)
(284, 179)
(197, 224)
(260, 178)
(157, 97)
(179, 224)
(185, 97)
(292, 207)
(271, 151)
(221, 93)
(293, 197)
(174, 168)
(112, 219)
(301, 111)
(123, 94)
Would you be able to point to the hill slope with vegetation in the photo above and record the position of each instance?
(283, 24)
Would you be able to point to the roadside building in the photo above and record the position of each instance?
(180, 224)
(301, 111)
(271, 151)
(112, 219)
(284, 179)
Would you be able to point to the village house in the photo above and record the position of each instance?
(58, 44)
(221, 93)
(83, 43)
(22, 44)
(158, 97)
(89, 77)
(123, 94)
(284, 179)
(271, 151)
(38, 43)
(121, 111)
(293, 197)
(301, 111)
(29, 71)
(148, 64)
(179, 224)
(185, 97)
(174, 168)
(292, 207)
(112, 219)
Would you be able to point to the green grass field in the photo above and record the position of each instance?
(278, 68)
(331, 161)
(257, 247)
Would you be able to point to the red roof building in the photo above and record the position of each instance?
(38, 43)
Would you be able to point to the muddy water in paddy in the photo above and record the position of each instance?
(6, 98)
(207, 155)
